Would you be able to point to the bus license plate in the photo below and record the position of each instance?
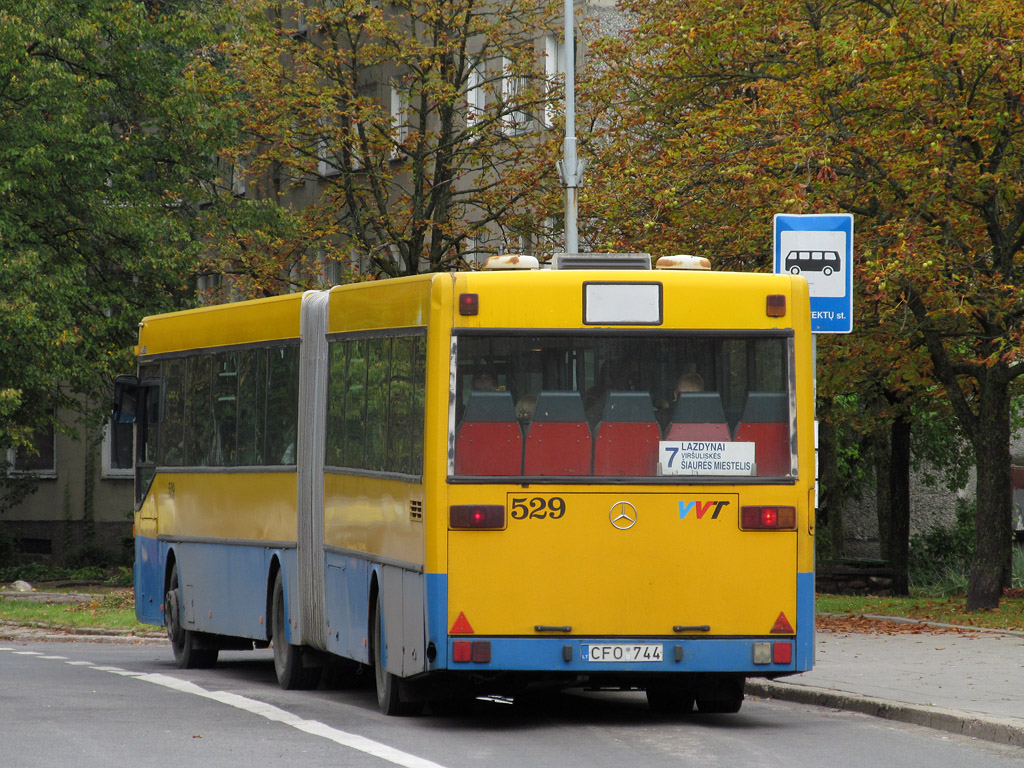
(623, 653)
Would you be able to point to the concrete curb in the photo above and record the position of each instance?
(13, 631)
(971, 724)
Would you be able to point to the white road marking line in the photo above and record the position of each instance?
(262, 709)
(312, 727)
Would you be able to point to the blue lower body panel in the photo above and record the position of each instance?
(224, 585)
(570, 654)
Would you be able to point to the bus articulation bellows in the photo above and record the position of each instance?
(486, 482)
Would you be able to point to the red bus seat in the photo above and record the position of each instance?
(765, 422)
(697, 416)
(626, 439)
(489, 440)
(558, 441)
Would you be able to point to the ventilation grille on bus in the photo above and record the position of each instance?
(415, 510)
(601, 261)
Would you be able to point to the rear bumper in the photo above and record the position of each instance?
(678, 656)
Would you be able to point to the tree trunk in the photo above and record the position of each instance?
(899, 505)
(992, 524)
(880, 454)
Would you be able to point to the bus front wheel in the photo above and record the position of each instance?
(389, 686)
(184, 642)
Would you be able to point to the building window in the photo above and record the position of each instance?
(513, 87)
(476, 98)
(118, 449)
(554, 71)
(44, 462)
(399, 121)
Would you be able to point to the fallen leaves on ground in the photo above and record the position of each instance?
(877, 626)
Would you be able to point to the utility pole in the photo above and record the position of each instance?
(570, 168)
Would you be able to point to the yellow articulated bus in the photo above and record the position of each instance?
(486, 482)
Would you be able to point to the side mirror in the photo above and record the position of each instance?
(126, 399)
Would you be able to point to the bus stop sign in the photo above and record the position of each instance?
(820, 247)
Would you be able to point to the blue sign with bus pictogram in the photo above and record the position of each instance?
(819, 247)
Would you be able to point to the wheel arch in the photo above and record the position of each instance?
(272, 571)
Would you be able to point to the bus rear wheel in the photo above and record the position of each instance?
(294, 672)
(670, 700)
(184, 642)
(389, 686)
(725, 698)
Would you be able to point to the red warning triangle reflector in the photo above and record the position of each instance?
(782, 625)
(461, 626)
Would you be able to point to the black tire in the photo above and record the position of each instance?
(725, 699)
(184, 642)
(670, 700)
(292, 673)
(390, 697)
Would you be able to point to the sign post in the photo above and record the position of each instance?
(819, 246)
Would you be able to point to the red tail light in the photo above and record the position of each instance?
(768, 518)
(469, 304)
(477, 517)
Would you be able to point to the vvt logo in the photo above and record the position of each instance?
(701, 508)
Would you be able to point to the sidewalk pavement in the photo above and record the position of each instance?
(959, 680)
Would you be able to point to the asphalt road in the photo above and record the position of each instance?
(89, 705)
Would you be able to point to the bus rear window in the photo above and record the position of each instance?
(623, 405)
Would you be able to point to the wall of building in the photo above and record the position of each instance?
(79, 510)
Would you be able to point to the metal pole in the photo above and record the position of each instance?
(570, 168)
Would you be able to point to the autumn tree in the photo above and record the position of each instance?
(395, 138)
(908, 115)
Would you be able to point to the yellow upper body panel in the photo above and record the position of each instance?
(690, 299)
(400, 303)
(221, 325)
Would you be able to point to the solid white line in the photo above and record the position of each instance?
(312, 727)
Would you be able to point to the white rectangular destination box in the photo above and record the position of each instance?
(623, 652)
(705, 457)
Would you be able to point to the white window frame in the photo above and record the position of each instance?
(399, 119)
(476, 96)
(514, 121)
(43, 473)
(108, 470)
(554, 71)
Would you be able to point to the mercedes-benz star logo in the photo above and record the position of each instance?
(622, 515)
